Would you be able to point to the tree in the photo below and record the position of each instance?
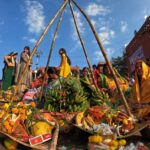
(120, 64)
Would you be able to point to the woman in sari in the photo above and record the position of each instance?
(27, 79)
(9, 70)
(65, 69)
(107, 83)
(140, 96)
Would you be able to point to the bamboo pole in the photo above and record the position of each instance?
(82, 43)
(39, 41)
(51, 48)
(53, 145)
(106, 58)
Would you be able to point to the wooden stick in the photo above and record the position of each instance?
(82, 43)
(51, 48)
(53, 145)
(106, 58)
(39, 41)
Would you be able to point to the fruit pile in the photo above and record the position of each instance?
(20, 121)
(75, 95)
(104, 120)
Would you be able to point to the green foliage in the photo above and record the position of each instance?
(120, 64)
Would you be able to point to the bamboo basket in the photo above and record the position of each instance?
(49, 145)
(138, 127)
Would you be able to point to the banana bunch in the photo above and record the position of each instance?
(53, 98)
(71, 97)
(99, 98)
(86, 122)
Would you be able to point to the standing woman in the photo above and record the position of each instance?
(65, 68)
(24, 58)
(9, 70)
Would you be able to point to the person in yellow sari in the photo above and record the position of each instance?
(110, 81)
(140, 96)
(65, 68)
(108, 84)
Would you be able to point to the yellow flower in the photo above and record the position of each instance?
(2, 113)
(112, 148)
(5, 106)
(95, 139)
(122, 142)
(114, 143)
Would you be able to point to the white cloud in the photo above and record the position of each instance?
(145, 17)
(98, 54)
(94, 9)
(32, 40)
(80, 25)
(35, 18)
(106, 35)
(124, 26)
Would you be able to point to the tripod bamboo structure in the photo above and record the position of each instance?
(81, 41)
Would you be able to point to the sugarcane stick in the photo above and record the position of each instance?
(82, 43)
(50, 52)
(39, 41)
(105, 56)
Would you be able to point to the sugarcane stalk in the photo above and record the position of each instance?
(50, 52)
(105, 56)
(82, 43)
(39, 41)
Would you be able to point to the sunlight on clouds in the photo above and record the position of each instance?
(145, 17)
(124, 26)
(35, 18)
(99, 57)
(80, 25)
(94, 9)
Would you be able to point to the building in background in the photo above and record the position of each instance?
(139, 46)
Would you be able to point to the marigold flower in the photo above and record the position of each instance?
(11, 123)
(21, 104)
(9, 130)
(6, 123)
(14, 110)
(33, 104)
(22, 111)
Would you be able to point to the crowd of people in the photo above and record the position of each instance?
(137, 91)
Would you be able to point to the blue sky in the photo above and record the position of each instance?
(22, 22)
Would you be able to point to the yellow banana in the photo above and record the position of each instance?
(79, 118)
(85, 125)
(90, 121)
